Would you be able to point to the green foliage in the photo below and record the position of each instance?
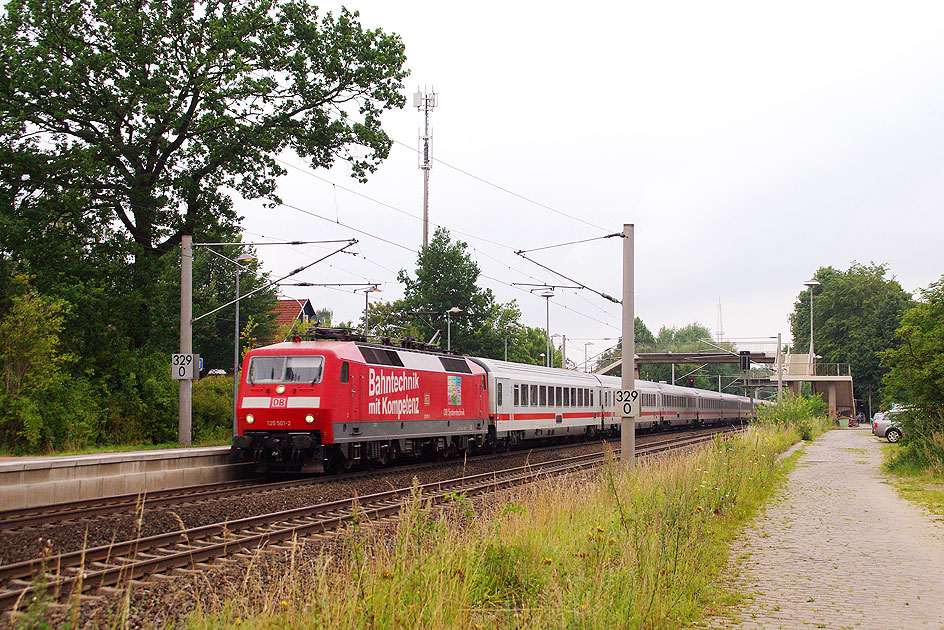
(855, 314)
(922, 444)
(505, 577)
(685, 339)
(447, 278)
(804, 414)
(916, 376)
(41, 406)
(125, 126)
(212, 408)
(916, 366)
(158, 108)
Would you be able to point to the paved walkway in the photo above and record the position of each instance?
(840, 549)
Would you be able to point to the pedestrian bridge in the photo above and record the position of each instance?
(831, 380)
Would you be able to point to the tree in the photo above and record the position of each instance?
(447, 278)
(642, 336)
(160, 105)
(916, 367)
(32, 367)
(130, 123)
(855, 315)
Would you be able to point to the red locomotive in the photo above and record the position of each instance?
(308, 405)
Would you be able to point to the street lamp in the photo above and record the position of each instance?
(449, 313)
(563, 350)
(586, 361)
(240, 263)
(507, 332)
(367, 291)
(811, 283)
(547, 294)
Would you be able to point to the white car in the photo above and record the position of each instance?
(884, 425)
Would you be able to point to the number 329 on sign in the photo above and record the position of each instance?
(627, 403)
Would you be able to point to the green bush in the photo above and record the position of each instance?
(804, 414)
(213, 408)
(141, 399)
(922, 443)
(42, 407)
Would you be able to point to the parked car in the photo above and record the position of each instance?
(885, 425)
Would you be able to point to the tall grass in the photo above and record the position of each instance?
(804, 414)
(921, 450)
(639, 548)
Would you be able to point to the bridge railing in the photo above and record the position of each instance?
(832, 369)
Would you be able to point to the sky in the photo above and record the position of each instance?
(749, 143)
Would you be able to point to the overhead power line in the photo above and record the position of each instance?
(581, 285)
(506, 190)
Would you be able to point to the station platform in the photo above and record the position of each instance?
(34, 481)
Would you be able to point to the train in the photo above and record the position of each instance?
(334, 400)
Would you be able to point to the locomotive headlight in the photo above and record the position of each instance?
(280, 389)
(249, 418)
(309, 418)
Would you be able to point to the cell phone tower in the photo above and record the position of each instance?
(425, 102)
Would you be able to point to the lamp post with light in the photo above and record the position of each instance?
(240, 263)
(552, 349)
(811, 283)
(449, 313)
(367, 291)
(547, 294)
(509, 328)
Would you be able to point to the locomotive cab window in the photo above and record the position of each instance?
(291, 369)
(345, 372)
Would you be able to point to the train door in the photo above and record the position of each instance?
(357, 394)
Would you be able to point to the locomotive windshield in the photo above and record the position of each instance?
(290, 369)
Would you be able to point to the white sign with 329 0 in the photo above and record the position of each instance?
(627, 403)
(181, 366)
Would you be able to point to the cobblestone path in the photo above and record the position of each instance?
(840, 549)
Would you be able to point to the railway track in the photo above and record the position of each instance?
(48, 515)
(116, 564)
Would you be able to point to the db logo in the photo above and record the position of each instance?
(280, 402)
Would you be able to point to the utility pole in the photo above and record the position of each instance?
(425, 102)
(628, 425)
(779, 372)
(185, 391)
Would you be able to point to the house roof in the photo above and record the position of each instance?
(287, 311)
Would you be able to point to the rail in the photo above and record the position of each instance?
(114, 564)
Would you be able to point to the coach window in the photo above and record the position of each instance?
(345, 372)
(591, 397)
(543, 395)
(534, 395)
(580, 398)
(498, 395)
(524, 395)
(516, 402)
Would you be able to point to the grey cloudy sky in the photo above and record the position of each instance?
(749, 142)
